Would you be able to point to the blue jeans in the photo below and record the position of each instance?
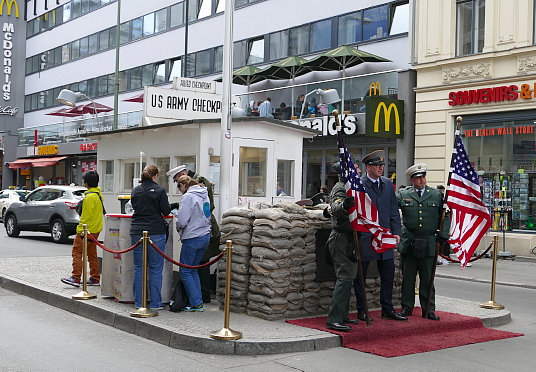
(155, 265)
(192, 252)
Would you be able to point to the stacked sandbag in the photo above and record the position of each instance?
(236, 225)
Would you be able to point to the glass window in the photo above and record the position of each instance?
(255, 51)
(299, 40)
(111, 42)
(285, 171)
(252, 171)
(94, 4)
(189, 161)
(147, 75)
(36, 63)
(124, 33)
(190, 65)
(193, 9)
(375, 22)
(148, 24)
(57, 56)
(131, 173)
(91, 88)
(40, 100)
(34, 102)
(123, 80)
(137, 28)
(65, 53)
(104, 39)
(175, 69)
(239, 53)
(350, 28)
(75, 49)
(279, 45)
(108, 184)
(321, 35)
(28, 103)
(85, 6)
(111, 83)
(161, 20)
(84, 45)
(159, 73)
(92, 44)
(76, 8)
(66, 12)
(74, 87)
(218, 59)
(50, 100)
(103, 86)
(106, 2)
(176, 17)
(28, 66)
(56, 92)
(240, 2)
(470, 27)
(399, 19)
(36, 25)
(135, 78)
(214, 174)
(48, 59)
(29, 29)
(82, 87)
(220, 7)
(163, 166)
(202, 66)
(205, 8)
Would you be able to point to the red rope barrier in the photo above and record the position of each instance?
(218, 257)
(471, 260)
(92, 238)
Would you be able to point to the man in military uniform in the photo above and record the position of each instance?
(421, 208)
(341, 246)
(381, 192)
(214, 244)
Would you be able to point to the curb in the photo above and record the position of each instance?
(467, 279)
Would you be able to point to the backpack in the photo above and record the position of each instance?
(179, 298)
(80, 204)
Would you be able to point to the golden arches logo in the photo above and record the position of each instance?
(387, 114)
(376, 88)
(9, 7)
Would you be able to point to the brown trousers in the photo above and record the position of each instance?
(94, 271)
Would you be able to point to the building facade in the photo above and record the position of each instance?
(72, 45)
(476, 60)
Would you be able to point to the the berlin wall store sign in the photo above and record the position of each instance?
(8, 29)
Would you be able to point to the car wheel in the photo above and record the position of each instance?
(11, 226)
(58, 232)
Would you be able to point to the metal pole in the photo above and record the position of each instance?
(143, 311)
(225, 140)
(227, 333)
(186, 20)
(492, 304)
(84, 294)
(116, 76)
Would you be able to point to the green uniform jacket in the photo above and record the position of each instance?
(341, 241)
(420, 217)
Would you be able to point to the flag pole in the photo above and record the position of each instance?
(356, 239)
(459, 120)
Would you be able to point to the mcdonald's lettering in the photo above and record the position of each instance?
(9, 7)
(376, 88)
(387, 114)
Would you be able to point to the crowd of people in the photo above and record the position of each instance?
(302, 109)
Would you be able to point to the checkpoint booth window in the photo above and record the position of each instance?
(252, 171)
(131, 173)
(285, 184)
(191, 164)
(163, 165)
(108, 176)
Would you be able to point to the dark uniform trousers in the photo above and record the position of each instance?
(410, 267)
(386, 268)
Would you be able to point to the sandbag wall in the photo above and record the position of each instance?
(273, 270)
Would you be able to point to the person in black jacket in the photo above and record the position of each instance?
(150, 202)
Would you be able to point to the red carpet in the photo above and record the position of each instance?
(390, 338)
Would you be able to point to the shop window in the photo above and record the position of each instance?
(375, 22)
(202, 67)
(470, 25)
(321, 35)
(279, 45)
(255, 51)
(399, 19)
(252, 171)
(285, 172)
(148, 24)
(161, 20)
(350, 30)
(176, 15)
(299, 40)
(163, 167)
(175, 69)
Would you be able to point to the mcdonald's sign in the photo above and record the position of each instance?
(384, 117)
(375, 89)
(9, 7)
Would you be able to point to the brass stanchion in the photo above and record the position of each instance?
(227, 333)
(143, 311)
(417, 284)
(492, 304)
(84, 294)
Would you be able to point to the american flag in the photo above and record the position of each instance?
(364, 215)
(469, 217)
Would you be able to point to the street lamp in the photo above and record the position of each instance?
(327, 97)
(69, 98)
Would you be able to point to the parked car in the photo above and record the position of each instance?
(7, 197)
(48, 209)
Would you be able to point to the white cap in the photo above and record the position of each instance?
(176, 170)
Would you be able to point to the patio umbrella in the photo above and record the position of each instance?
(137, 98)
(342, 58)
(65, 112)
(92, 108)
(289, 68)
(245, 76)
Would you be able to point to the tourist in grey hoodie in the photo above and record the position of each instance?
(193, 224)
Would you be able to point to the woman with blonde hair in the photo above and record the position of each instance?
(150, 202)
(193, 224)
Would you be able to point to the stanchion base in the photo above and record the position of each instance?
(143, 312)
(492, 305)
(84, 295)
(226, 334)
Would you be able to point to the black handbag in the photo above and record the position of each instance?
(418, 247)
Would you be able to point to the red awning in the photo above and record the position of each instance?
(35, 162)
